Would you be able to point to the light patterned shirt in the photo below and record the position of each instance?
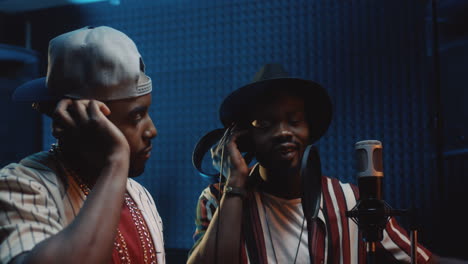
(37, 200)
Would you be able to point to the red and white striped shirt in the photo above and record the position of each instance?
(336, 238)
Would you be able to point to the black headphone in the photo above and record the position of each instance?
(311, 171)
(204, 145)
(311, 174)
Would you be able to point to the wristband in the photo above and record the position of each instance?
(228, 190)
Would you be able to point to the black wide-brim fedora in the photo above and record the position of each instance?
(238, 105)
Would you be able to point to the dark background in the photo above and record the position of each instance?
(396, 71)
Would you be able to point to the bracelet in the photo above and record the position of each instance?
(229, 190)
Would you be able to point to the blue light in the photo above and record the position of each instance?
(112, 2)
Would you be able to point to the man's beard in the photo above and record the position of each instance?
(268, 162)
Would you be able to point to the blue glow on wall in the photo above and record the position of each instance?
(114, 2)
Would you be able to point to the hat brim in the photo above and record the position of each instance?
(33, 91)
(238, 105)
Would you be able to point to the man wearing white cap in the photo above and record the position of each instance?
(76, 203)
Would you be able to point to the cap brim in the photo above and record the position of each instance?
(33, 91)
(237, 106)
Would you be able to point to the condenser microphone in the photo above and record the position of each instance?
(369, 168)
(371, 208)
(371, 213)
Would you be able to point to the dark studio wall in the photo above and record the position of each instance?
(374, 57)
(453, 53)
(17, 65)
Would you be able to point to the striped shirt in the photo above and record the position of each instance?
(37, 201)
(336, 238)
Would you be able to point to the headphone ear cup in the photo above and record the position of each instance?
(202, 147)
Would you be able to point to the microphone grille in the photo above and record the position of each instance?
(369, 158)
(361, 160)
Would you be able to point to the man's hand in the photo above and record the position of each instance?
(226, 154)
(101, 154)
(84, 125)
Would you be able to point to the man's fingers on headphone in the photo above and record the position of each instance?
(238, 133)
(98, 109)
(95, 113)
(214, 152)
(103, 107)
(79, 111)
(62, 115)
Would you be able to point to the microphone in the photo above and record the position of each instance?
(371, 212)
(369, 169)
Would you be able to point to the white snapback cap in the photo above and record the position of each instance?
(99, 63)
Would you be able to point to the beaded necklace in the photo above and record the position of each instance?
(120, 245)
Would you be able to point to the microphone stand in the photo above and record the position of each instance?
(371, 216)
(414, 246)
(413, 235)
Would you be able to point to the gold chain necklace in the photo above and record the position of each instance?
(120, 245)
(149, 255)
